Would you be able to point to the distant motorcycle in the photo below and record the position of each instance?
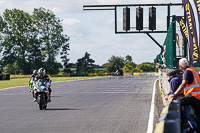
(117, 73)
(40, 89)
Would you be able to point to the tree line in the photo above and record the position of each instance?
(86, 65)
(31, 41)
(126, 65)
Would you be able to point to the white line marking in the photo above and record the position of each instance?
(151, 114)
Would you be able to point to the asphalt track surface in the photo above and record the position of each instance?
(100, 105)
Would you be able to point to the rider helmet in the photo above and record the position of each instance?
(41, 72)
(35, 72)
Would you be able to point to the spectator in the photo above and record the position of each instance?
(175, 82)
(163, 54)
(191, 86)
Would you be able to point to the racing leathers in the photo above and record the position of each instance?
(47, 79)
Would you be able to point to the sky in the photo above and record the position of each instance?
(94, 31)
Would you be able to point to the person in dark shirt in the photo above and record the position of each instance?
(188, 76)
(175, 82)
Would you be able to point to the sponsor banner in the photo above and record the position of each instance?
(183, 28)
(197, 4)
(183, 47)
(177, 41)
(193, 48)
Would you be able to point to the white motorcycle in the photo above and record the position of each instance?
(41, 93)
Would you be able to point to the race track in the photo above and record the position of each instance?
(99, 105)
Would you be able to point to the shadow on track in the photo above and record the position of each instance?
(61, 109)
(56, 96)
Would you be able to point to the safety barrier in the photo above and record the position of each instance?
(170, 118)
(145, 74)
(19, 76)
(98, 74)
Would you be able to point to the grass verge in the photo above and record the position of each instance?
(24, 81)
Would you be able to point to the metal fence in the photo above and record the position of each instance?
(172, 47)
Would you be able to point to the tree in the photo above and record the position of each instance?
(1, 68)
(85, 64)
(65, 60)
(16, 27)
(129, 67)
(54, 68)
(128, 59)
(50, 31)
(64, 55)
(32, 41)
(146, 67)
(114, 63)
(12, 68)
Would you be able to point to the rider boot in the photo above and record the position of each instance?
(34, 97)
(49, 96)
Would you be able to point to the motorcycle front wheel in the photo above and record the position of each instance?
(40, 101)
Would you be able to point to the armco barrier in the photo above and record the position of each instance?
(98, 74)
(170, 118)
(145, 74)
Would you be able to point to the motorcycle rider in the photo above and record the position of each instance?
(31, 80)
(42, 75)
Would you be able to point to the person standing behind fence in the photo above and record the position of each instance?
(191, 86)
(175, 82)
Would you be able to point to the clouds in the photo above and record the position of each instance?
(106, 2)
(70, 22)
(110, 21)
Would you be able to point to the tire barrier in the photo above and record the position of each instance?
(170, 118)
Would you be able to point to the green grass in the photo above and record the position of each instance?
(24, 81)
